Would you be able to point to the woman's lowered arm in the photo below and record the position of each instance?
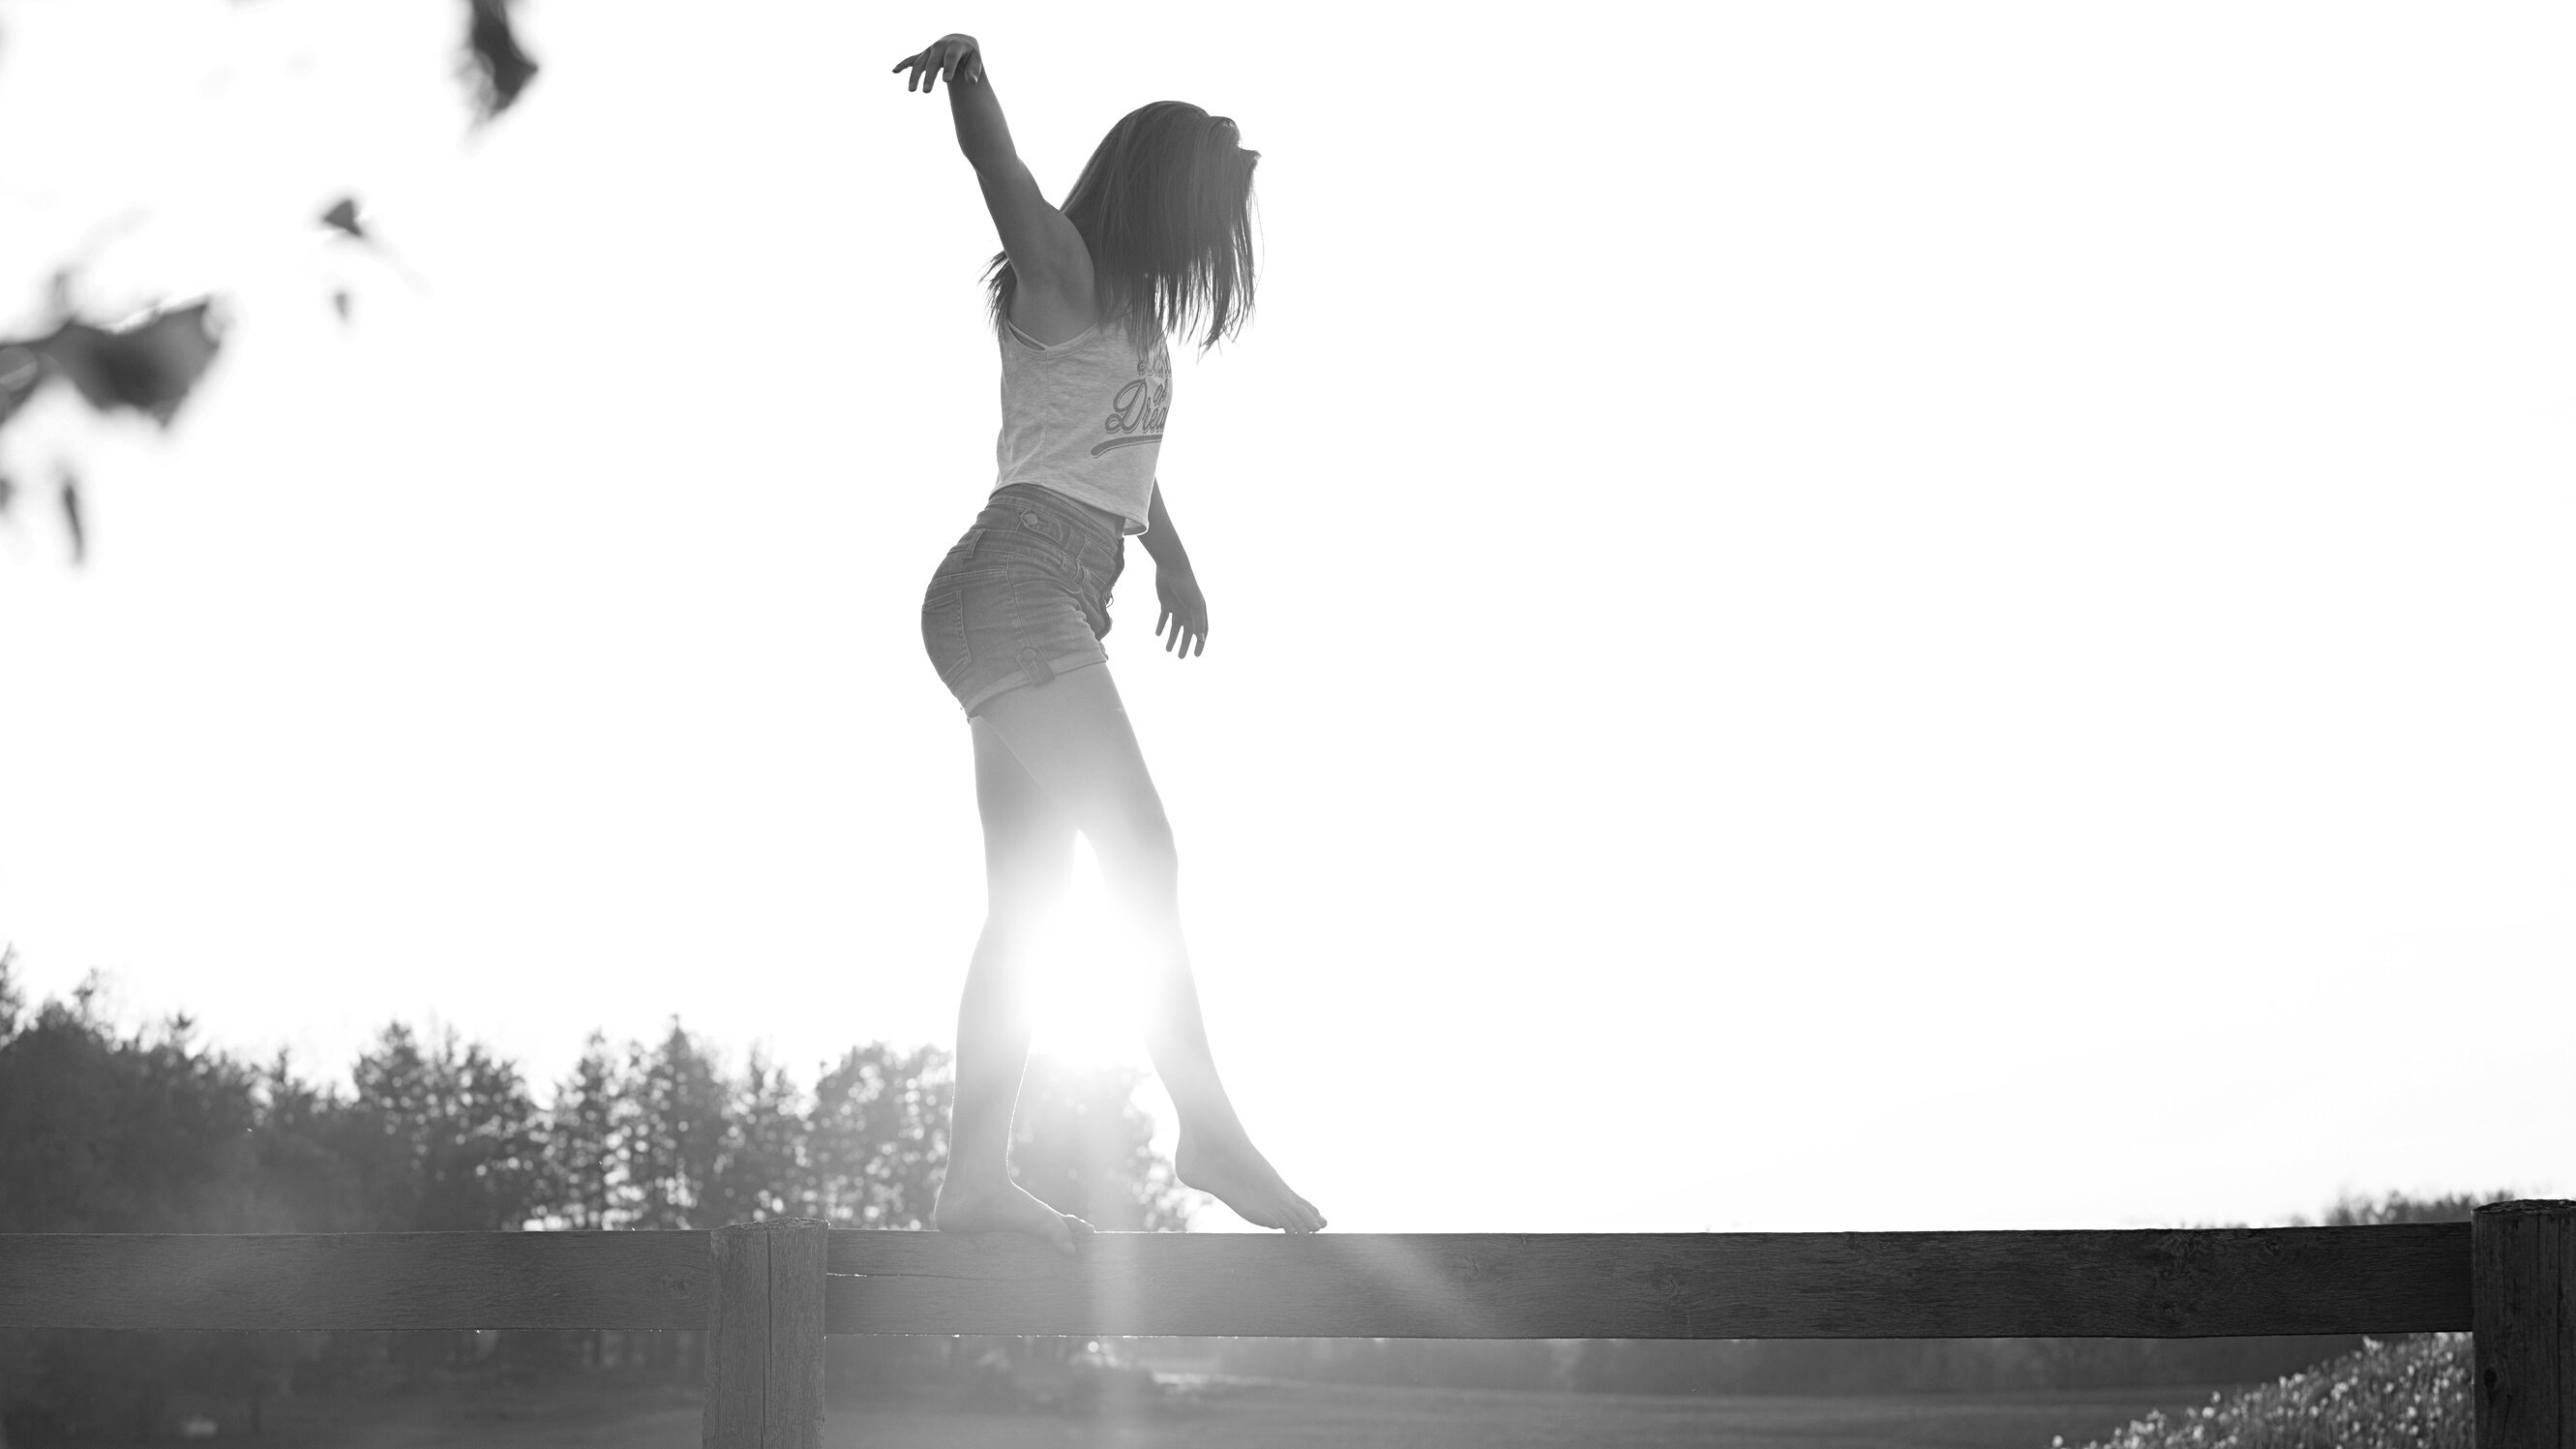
(1175, 584)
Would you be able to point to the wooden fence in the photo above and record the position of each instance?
(768, 1292)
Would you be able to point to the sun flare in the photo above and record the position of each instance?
(1087, 996)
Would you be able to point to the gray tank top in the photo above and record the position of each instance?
(1085, 417)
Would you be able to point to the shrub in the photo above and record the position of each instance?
(2412, 1394)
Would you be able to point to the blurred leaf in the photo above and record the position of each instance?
(148, 366)
(20, 370)
(72, 515)
(343, 216)
(500, 68)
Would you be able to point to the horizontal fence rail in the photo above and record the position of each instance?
(768, 1292)
(355, 1280)
(2146, 1283)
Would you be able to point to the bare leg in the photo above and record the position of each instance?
(1072, 737)
(1028, 855)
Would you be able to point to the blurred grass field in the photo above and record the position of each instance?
(1242, 1414)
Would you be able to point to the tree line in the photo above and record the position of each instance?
(106, 1130)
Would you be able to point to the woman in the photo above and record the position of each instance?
(1153, 235)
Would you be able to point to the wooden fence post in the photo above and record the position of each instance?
(765, 1336)
(2523, 1306)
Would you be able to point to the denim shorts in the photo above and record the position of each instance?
(1024, 596)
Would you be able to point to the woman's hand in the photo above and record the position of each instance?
(1184, 612)
(955, 56)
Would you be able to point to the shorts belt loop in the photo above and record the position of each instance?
(1038, 671)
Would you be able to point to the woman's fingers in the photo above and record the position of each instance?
(1182, 629)
(952, 61)
(925, 71)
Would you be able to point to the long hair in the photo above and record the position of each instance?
(1164, 206)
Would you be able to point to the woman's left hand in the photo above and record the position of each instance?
(955, 57)
(1184, 612)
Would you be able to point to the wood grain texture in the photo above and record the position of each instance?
(354, 1280)
(1690, 1285)
(2524, 1272)
(2147, 1284)
(737, 1340)
(765, 1336)
(797, 1257)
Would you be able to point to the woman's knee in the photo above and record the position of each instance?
(1020, 894)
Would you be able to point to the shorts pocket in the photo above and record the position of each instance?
(943, 630)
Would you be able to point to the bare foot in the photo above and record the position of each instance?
(968, 1205)
(1240, 1177)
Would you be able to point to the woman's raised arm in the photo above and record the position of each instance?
(1046, 252)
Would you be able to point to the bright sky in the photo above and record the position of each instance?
(1825, 616)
